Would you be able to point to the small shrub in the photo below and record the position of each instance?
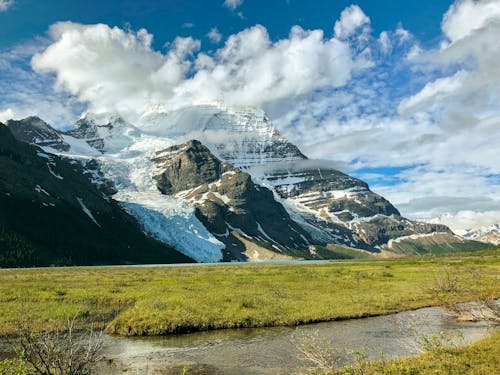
(317, 352)
(58, 352)
(445, 282)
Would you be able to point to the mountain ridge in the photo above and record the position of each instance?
(324, 205)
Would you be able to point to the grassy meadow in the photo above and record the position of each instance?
(163, 300)
(480, 358)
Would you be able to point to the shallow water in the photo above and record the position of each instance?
(274, 350)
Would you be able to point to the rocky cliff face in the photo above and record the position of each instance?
(336, 198)
(228, 202)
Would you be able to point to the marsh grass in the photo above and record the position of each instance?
(480, 358)
(163, 300)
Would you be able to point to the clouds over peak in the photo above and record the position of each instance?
(114, 69)
(367, 100)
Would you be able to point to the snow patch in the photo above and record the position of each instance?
(87, 211)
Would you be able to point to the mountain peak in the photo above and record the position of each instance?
(106, 132)
(34, 130)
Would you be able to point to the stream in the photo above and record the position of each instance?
(274, 350)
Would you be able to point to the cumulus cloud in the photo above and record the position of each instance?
(26, 93)
(431, 207)
(113, 69)
(110, 68)
(464, 220)
(467, 16)
(232, 4)
(5, 5)
(214, 35)
(351, 19)
(434, 93)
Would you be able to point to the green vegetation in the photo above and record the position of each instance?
(439, 243)
(481, 358)
(343, 252)
(162, 300)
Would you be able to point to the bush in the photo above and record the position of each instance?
(58, 352)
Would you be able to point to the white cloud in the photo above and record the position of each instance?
(214, 35)
(434, 93)
(385, 42)
(467, 16)
(232, 4)
(414, 52)
(445, 133)
(27, 94)
(431, 207)
(113, 69)
(403, 34)
(467, 219)
(351, 19)
(5, 5)
(6, 114)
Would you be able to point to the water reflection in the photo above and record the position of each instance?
(274, 351)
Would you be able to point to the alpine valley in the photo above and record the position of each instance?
(204, 183)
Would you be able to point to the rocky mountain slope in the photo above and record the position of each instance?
(228, 202)
(51, 212)
(241, 185)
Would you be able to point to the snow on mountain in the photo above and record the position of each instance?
(241, 136)
(106, 132)
(35, 130)
(329, 205)
(489, 234)
(124, 158)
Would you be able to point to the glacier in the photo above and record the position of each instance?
(125, 159)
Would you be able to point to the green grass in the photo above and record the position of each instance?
(481, 358)
(343, 252)
(162, 300)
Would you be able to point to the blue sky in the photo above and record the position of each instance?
(167, 19)
(403, 94)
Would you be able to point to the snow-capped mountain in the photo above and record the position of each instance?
(489, 234)
(241, 185)
(242, 137)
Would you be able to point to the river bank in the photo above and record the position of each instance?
(165, 300)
